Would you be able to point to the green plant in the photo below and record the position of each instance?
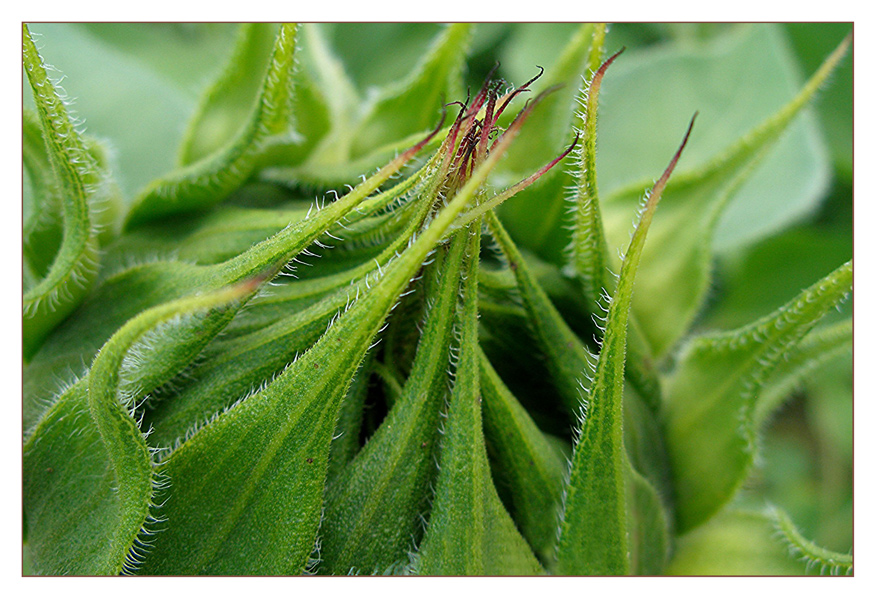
(450, 379)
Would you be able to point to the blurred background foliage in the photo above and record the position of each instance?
(136, 85)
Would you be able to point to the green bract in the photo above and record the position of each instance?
(439, 365)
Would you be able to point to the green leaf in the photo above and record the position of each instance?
(676, 266)
(78, 179)
(713, 397)
(140, 109)
(43, 222)
(811, 41)
(814, 556)
(525, 462)
(588, 252)
(734, 543)
(373, 508)
(259, 344)
(552, 118)
(469, 531)
(409, 106)
(649, 530)
(227, 104)
(568, 359)
(265, 458)
(232, 367)
(211, 179)
(88, 479)
(594, 530)
(345, 442)
(818, 347)
(124, 294)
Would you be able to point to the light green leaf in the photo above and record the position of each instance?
(469, 531)
(594, 531)
(735, 543)
(713, 396)
(211, 179)
(342, 100)
(78, 180)
(409, 106)
(183, 55)
(676, 266)
(227, 104)
(651, 92)
(815, 557)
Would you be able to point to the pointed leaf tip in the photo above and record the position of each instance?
(664, 178)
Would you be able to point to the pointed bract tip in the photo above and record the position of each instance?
(661, 183)
(604, 66)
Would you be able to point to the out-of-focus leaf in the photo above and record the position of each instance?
(734, 543)
(553, 120)
(410, 106)
(816, 558)
(818, 347)
(547, 129)
(713, 393)
(126, 102)
(811, 41)
(226, 105)
(650, 94)
(43, 221)
(393, 49)
(180, 54)
(214, 176)
(759, 279)
(648, 526)
(676, 265)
